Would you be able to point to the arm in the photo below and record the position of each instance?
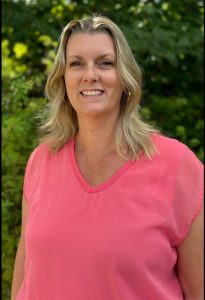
(18, 273)
(190, 261)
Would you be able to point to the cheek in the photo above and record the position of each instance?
(71, 80)
(113, 80)
(115, 86)
(69, 90)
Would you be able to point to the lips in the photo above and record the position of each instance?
(92, 92)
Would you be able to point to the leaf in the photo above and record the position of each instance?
(20, 49)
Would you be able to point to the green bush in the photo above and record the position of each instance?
(19, 139)
(178, 117)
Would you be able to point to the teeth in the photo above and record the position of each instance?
(92, 93)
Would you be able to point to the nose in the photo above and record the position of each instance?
(91, 74)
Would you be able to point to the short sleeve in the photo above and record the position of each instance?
(33, 173)
(188, 192)
(28, 177)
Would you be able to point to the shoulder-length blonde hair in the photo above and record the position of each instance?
(132, 135)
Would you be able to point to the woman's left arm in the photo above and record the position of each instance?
(190, 261)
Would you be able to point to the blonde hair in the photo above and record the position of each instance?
(132, 135)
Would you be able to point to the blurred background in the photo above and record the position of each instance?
(166, 38)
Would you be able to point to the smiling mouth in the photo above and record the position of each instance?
(92, 92)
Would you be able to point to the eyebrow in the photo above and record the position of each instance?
(100, 56)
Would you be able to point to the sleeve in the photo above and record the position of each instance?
(33, 174)
(188, 193)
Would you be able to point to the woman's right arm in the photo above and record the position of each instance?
(18, 274)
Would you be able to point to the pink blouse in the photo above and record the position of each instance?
(115, 241)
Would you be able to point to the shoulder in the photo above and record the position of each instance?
(166, 144)
(39, 153)
(171, 148)
(42, 155)
(180, 162)
(41, 164)
(175, 158)
(43, 150)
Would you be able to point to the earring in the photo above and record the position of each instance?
(129, 96)
(125, 97)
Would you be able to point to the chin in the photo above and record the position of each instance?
(94, 113)
(93, 110)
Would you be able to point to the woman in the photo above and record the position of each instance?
(111, 208)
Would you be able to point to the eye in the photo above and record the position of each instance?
(75, 64)
(106, 63)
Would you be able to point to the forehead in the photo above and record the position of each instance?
(86, 43)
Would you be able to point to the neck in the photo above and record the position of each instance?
(96, 138)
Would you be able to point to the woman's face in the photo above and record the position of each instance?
(91, 77)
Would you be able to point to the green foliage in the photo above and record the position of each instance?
(166, 38)
(176, 118)
(18, 140)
